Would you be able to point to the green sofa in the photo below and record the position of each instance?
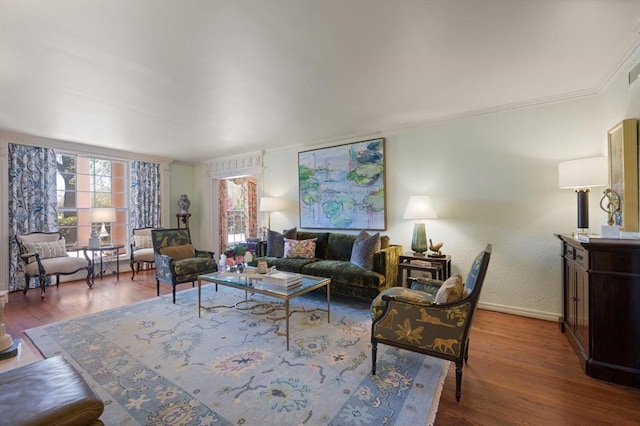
(333, 254)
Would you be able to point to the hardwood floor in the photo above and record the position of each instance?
(520, 371)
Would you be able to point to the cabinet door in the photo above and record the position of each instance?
(570, 294)
(582, 307)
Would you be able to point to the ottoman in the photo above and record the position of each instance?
(47, 392)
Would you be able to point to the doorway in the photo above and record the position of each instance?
(238, 210)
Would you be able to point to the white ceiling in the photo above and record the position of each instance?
(196, 79)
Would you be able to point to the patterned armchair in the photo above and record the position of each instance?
(426, 319)
(141, 249)
(176, 260)
(44, 254)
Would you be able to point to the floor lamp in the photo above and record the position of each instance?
(269, 204)
(580, 175)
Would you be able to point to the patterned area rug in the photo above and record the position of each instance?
(156, 363)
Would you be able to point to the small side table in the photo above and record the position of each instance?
(98, 252)
(438, 267)
(184, 218)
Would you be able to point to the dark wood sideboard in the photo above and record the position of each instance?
(601, 288)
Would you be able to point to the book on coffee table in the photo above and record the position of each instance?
(281, 278)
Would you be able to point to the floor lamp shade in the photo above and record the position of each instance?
(269, 204)
(580, 175)
(419, 207)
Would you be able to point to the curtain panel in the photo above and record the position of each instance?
(145, 195)
(32, 200)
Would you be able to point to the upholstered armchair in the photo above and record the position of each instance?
(44, 254)
(141, 250)
(176, 260)
(432, 317)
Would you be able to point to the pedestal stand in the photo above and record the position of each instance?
(8, 346)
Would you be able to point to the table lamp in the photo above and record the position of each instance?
(580, 175)
(419, 207)
(102, 215)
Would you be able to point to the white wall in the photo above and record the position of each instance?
(493, 178)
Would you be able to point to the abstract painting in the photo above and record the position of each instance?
(623, 171)
(343, 187)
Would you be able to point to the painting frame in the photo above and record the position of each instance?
(343, 186)
(622, 140)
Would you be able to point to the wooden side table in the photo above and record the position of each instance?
(98, 252)
(438, 267)
(184, 218)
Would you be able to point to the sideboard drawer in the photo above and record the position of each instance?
(582, 257)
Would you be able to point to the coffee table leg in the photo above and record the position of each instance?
(329, 302)
(286, 304)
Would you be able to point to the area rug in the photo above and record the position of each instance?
(156, 363)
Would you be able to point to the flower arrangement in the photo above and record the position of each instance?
(234, 256)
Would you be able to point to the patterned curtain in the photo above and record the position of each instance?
(251, 206)
(222, 209)
(32, 200)
(145, 195)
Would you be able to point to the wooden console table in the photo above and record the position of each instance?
(601, 288)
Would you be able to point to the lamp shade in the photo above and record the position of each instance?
(103, 215)
(269, 204)
(583, 173)
(420, 207)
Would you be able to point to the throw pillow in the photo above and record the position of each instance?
(48, 249)
(178, 252)
(363, 249)
(142, 241)
(275, 241)
(300, 248)
(450, 291)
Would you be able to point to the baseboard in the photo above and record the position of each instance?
(547, 316)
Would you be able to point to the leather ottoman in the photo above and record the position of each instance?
(47, 392)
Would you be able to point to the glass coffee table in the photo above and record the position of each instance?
(252, 283)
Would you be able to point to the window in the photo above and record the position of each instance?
(236, 223)
(83, 183)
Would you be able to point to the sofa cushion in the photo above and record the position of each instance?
(450, 291)
(145, 254)
(322, 241)
(47, 249)
(340, 246)
(178, 252)
(286, 264)
(344, 274)
(275, 241)
(60, 265)
(300, 248)
(195, 265)
(364, 248)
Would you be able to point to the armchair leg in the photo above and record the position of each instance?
(174, 294)
(458, 379)
(133, 271)
(374, 354)
(89, 280)
(158, 287)
(27, 278)
(43, 285)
